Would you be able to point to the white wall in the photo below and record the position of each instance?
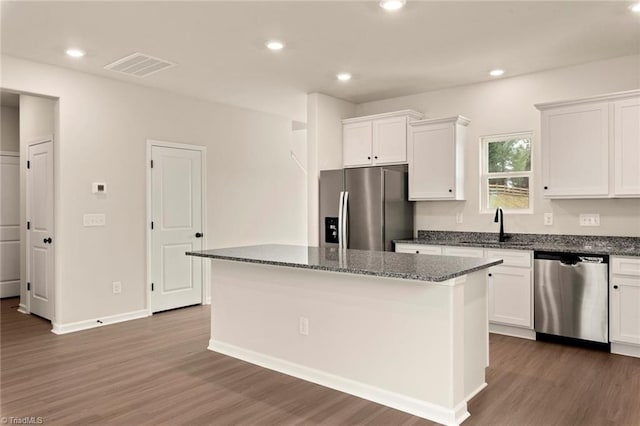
(256, 192)
(324, 150)
(9, 129)
(506, 105)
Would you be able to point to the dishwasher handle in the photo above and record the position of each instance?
(571, 258)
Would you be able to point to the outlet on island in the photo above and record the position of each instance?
(303, 326)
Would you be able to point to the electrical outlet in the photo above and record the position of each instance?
(459, 217)
(304, 326)
(548, 219)
(591, 219)
(94, 220)
(117, 287)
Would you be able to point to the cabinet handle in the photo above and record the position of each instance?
(546, 187)
(376, 157)
(418, 251)
(451, 190)
(368, 158)
(615, 287)
(490, 275)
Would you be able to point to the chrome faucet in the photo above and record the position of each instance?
(500, 219)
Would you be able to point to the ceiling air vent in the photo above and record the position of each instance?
(139, 65)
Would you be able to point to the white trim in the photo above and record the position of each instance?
(457, 119)
(606, 97)
(411, 115)
(10, 153)
(9, 288)
(22, 308)
(507, 330)
(485, 175)
(98, 322)
(475, 392)
(624, 349)
(205, 296)
(433, 412)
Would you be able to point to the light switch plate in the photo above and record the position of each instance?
(98, 219)
(591, 219)
(459, 217)
(548, 219)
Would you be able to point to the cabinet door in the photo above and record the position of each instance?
(624, 316)
(510, 296)
(356, 144)
(626, 140)
(390, 141)
(432, 162)
(575, 145)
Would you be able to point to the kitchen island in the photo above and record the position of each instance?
(407, 331)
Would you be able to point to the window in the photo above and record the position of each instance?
(506, 179)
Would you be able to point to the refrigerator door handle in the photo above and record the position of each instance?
(340, 219)
(345, 220)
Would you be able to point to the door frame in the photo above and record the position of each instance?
(203, 156)
(27, 239)
(16, 154)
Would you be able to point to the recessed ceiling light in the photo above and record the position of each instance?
(392, 4)
(75, 53)
(635, 8)
(275, 45)
(496, 73)
(344, 76)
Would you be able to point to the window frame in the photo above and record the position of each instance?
(485, 175)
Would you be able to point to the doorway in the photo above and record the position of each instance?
(40, 227)
(176, 216)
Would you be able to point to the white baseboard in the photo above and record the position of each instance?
(507, 330)
(207, 301)
(475, 392)
(98, 322)
(9, 289)
(22, 308)
(433, 412)
(624, 349)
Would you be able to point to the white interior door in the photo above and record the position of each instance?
(176, 214)
(40, 228)
(9, 225)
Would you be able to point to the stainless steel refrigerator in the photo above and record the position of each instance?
(365, 208)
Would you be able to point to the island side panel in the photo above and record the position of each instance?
(476, 345)
(391, 334)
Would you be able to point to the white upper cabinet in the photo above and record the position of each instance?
(590, 147)
(375, 140)
(436, 158)
(626, 146)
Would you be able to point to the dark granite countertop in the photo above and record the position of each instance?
(587, 244)
(376, 263)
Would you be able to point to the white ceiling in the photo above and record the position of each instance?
(219, 46)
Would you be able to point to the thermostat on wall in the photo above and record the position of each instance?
(99, 188)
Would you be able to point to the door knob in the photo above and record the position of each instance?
(47, 240)
(198, 235)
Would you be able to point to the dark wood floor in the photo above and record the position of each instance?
(157, 371)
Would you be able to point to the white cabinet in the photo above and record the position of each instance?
(376, 140)
(436, 159)
(624, 308)
(590, 147)
(510, 285)
(626, 145)
(511, 288)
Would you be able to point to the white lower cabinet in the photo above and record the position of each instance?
(510, 285)
(624, 309)
(510, 296)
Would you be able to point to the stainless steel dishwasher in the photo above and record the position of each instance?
(571, 295)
